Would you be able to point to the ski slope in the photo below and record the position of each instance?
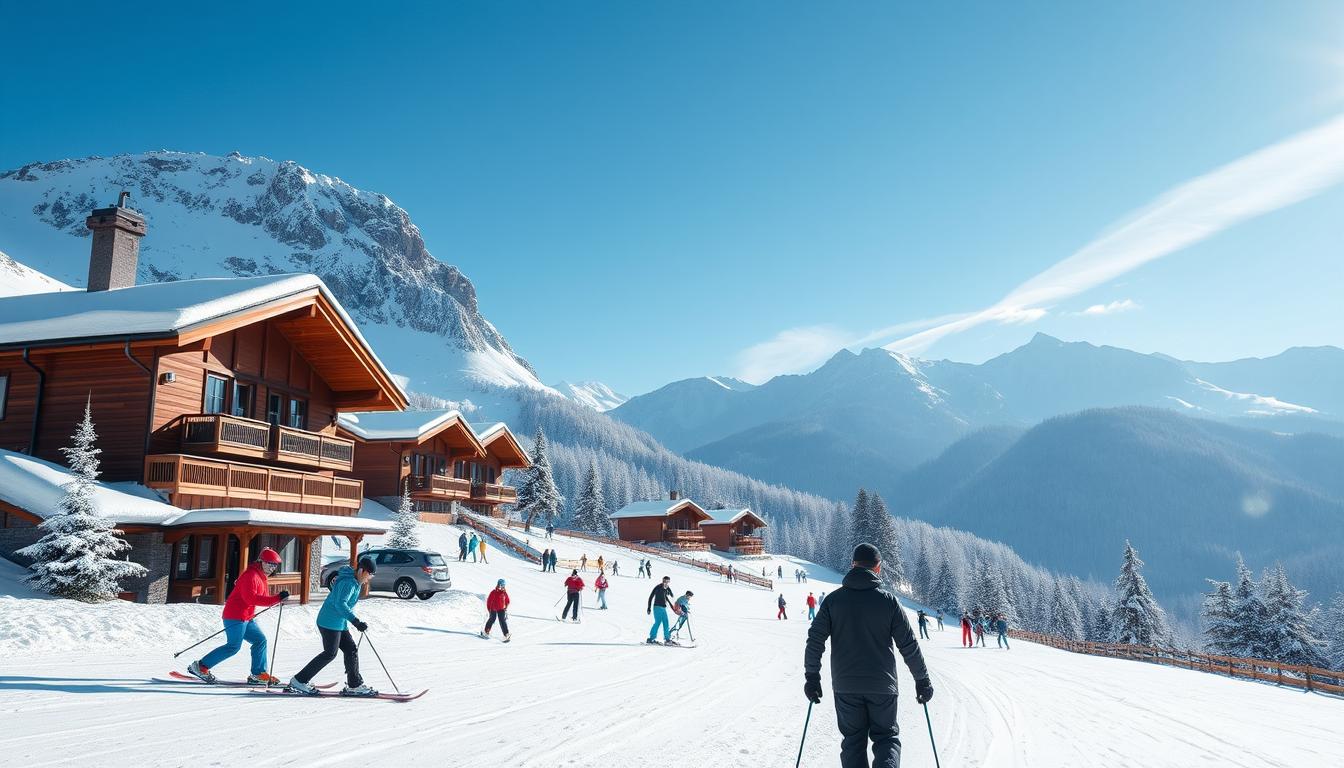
(74, 688)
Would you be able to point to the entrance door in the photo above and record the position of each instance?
(231, 564)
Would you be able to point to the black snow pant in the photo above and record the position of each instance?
(574, 601)
(503, 622)
(865, 717)
(331, 639)
(924, 630)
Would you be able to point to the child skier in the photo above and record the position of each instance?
(573, 588)
(249, 591)
(497, 603)
(659, 600)
(811, 607)
(337, 611)
(601, 586)
(683, 610)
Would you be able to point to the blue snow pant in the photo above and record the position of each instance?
(863, 717)
(1003, 639)
(660, 618)
(681, 622)
(235, 632)
(602, 598)
(811, 613)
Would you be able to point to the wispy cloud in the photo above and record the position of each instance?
(1263, 181)
(795, 350)
(1113, 308)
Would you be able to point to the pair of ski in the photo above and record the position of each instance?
(669, 645)
(563, 620)
(484, 636)
(324, 689)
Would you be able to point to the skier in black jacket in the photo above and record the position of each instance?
(659, 603)
(862, 622)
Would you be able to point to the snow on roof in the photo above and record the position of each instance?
(723, 516)
(37, 486)
(655, 508)
(395, 425)
(486, 433)
(271, 517)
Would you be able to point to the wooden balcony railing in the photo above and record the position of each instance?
(679, 534)
(238, 436)
(492, 493)
(179, 473)
(440, 487)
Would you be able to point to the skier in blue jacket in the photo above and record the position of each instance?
(336, 613)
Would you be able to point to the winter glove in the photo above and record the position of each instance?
(923, 691)
(284, 595)
(812, 688)
(361, 626)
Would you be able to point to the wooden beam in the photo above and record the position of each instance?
(305, 570)
(354, 538)
(221, 564)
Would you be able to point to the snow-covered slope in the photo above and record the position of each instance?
(593, 394)
(216, 216)
(18, 279)
(593, 694)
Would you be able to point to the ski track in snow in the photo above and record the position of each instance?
(565, 695)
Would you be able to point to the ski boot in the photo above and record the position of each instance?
(483, 635)
(301, 688)
(361, 690)
(263, 678)
(507, 637)
(202, 673)
(651, 641)
(670, 641)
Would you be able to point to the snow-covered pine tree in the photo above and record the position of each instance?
(1333, 626)
(839, 549)
(888, 542)
(1220, 623)
(590, 513)
(538, 498)
(76, 556)
(861, 525)
(995, 593)
(404, 533)
(1066, 619)
(1249, 615)
(1137, 619)
(1290, 633)
(946, 591)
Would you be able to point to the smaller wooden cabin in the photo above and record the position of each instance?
(734, 530)
(673, 521)
(502, 451)
(416, 451)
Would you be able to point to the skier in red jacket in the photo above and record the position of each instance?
(966, 630)
(573, 588)
(249, 591)
(601, 587)
(497, 603)
(811, 606)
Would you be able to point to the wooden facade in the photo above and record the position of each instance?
(677, 524)
(740, 536)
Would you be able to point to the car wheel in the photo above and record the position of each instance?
(425, 595)
(405, 589)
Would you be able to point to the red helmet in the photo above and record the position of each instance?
(269, 555)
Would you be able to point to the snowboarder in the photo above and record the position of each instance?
(482, 545)
(862, 621)
(333, 622)
(601, 587)
(462, 547)
(583, 562)
(811, 607)
(545, 560)
(924, 625)
(573, 588)
(1001, 626)
(682, 607)
(966, 630)
(249, 591)
(659, 600)
(782, 613)
(497, 603)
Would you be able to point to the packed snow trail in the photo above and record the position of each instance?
(74, 688)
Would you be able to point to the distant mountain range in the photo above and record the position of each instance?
(874, 415)
(593, 394)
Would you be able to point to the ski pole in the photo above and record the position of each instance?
(380, 662)
(799, 761)
(202, 640)
(688, 630)
(276, 648)
(932, 743)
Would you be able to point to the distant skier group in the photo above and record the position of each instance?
(975, 624)
(471, 546)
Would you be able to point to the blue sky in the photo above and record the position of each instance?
(643, 192)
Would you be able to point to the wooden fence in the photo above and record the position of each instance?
(1307, 678)
(739, 576)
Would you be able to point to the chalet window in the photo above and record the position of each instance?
(286, 546)
(298, 414)
(4, 393)
(460, 470)
(243, 396)
(205, 557)
(275, 408)
(182, 558)
(215, 388)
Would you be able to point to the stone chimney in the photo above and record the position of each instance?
(116, 245)
(673, 495)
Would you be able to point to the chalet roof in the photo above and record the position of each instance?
(728, 516)
(177, 310)
(657, 508)
(273, 518)
(491, 434)
(406, 426)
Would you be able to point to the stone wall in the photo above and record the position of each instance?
(147, 549)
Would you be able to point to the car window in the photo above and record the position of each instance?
(434, 558)
(397, 558)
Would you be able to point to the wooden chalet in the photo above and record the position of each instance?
(502, 451)
(673, 521)
(219, 394)
(734, 530)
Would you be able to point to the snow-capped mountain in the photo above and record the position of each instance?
(236, 215)
(593, 394)
(18, 279)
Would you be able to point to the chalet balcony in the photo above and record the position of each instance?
(245, 483)
(748, 545)
(678, 535)
(217, 433)
(439, 487)
(490, 493)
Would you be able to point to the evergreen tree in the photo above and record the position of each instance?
(1137, 619)
(888, 542)
(404, 533)
(76, 556)
(537, 495)
(861, 525)
(946, 592)
(1249, 615)
(1290, 633)
(590, 514)
(1220, 621)
(1333, 624)
(1066, 619)
(994, 594)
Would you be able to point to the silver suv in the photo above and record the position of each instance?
(406, 572)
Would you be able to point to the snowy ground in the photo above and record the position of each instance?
(74, 689)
